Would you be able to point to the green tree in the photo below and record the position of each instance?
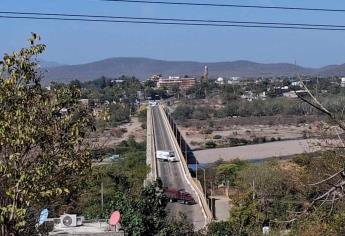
(183, 112)
(144, 214)
(246, 217)
(41, 140)
(219, 229)
(228, 171)
(178, 227)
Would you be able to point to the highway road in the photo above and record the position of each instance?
(172, 175)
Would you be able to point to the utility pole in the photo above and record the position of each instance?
(196, 170)
(102, 196)
(186, 151)
(317, 86)
(205, 182)
(206, 80)
(253, 190)
(180, 140)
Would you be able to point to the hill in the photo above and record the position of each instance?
(142, 68)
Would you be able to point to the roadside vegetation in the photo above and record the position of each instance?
(279, 194)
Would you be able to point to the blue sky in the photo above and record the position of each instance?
(82, 42)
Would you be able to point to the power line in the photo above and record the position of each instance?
(171, 19)
(230, 5)
(170, 23)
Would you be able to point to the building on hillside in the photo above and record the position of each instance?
(296, 83)
(249, 96)
(117, 81)
(234, 80)
(176, 81)
(295, 94)
(155, 78)
(290, 94)
(140, 94)
(342, 83)
(220, 81)
(84, 102)
(263, 95)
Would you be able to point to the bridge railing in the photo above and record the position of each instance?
(150, 147)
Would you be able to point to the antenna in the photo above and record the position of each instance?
(114, 218)
(43, 216)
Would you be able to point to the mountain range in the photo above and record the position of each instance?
(143, 68)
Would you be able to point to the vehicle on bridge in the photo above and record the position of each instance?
(153, 103)
(166, 155)
(180, 195)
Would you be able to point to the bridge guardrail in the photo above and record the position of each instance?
(150, 147)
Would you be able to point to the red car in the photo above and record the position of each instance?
(179, 196)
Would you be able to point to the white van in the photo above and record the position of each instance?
(166, 155)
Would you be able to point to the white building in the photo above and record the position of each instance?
(172, 81)
(220, 80)
(342, 82)
(234, 80)
(297, 83)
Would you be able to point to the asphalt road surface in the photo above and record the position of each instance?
(172, 175)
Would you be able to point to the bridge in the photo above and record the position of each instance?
(160, 136)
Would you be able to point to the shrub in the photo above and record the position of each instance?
(233, 141)
(217, 136)
(200, 114)
(183, 112)
(206, 131)
(237, 141)
(302, 160)
(194, 143)
(210, 144)
(117, 133)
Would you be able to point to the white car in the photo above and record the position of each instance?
(153, 103)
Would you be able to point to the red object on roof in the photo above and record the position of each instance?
(114, 218)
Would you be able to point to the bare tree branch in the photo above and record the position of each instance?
(324, 180)
(317, 105)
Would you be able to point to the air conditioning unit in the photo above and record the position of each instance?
(68, 220)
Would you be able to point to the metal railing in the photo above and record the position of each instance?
(150, 148)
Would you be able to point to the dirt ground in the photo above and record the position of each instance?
(260, 140)
(196, 136)
(113, 136)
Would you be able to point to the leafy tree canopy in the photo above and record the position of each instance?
(42, 144)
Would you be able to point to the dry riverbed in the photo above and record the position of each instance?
(258, 151)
